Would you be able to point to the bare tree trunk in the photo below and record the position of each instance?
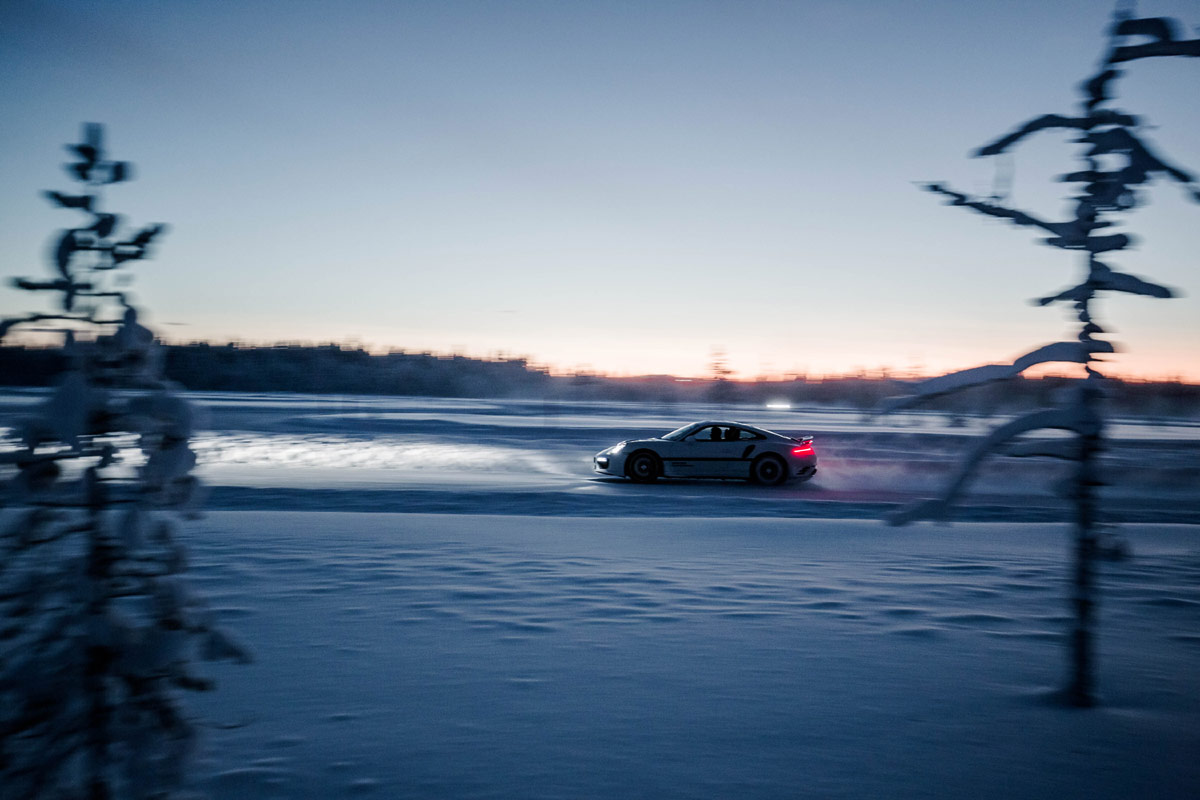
(1080, 690)
(99, 655)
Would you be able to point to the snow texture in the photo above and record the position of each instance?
(410, 656)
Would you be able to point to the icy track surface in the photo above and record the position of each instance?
(433, 656)
(429, 455)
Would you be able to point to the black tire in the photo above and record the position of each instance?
(768, 470)
(642, 467)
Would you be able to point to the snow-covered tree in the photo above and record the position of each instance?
(99, 629)
(1115, 162)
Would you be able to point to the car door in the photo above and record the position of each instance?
(750, 445)
(706, 453)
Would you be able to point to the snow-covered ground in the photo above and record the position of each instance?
(505, 624)
(402, 655)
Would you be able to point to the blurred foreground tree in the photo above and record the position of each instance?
(98, 628)
(1115, 161)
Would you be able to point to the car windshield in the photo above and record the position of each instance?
(679, 433)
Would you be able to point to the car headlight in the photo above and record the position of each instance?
(617, 448)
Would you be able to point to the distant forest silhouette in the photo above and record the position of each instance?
(334, 369)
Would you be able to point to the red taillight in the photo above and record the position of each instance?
(807, 450)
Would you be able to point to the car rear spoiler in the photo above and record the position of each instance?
(802, 440)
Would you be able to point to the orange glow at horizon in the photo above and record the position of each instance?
(1179, 365)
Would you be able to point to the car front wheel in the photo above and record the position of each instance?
(768, 470)
(642, 467)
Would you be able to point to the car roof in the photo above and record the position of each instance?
(729, 423)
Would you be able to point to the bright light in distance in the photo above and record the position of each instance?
(778, 405)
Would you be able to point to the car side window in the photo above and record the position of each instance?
(748, 436)
(710, 433)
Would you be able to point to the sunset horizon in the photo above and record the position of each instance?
(696, 369)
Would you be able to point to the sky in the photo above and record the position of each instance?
(624, 187)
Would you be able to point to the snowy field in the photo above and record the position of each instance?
(547, 657)
(443, 601)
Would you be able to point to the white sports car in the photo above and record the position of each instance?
(712, 450)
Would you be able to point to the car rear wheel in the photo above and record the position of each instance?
(768, 470)
(642, 467)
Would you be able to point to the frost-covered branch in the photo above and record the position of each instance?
(936, 509)
(1056, 122)
(1058, 352)
(1163, 33)
(1103, 278)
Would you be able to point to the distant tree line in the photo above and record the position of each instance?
(334, 369)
